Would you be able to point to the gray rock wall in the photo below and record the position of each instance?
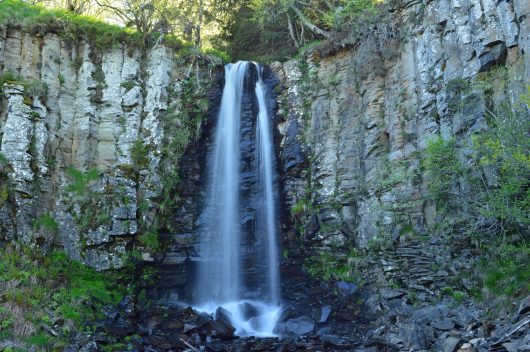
(97, 105)
(357, 122)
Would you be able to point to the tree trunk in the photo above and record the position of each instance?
(312, 27)
(292, 31)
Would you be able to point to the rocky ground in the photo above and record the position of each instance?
(320, 317)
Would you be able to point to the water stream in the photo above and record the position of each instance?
(251, 295)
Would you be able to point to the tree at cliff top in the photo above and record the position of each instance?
(281, 27)
(196, 21)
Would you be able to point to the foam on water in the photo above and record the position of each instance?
(249, 317)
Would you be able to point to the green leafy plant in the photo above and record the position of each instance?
(42, 284)
(139, 155)
(46, 222)
(328, 266)
(493, 182)
(150, 240)
(80, 181)
(508, 273)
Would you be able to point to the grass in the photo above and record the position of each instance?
(32, 88)
(36, 287)
(330, 267)
(71, 27)
(508, 273)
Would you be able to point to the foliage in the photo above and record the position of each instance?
(80, 181)
(490, 182)
(149, 240)
(32, 88)
(281, 27)
(328, 266)
(507, 272)
(139, 155)
(196, 21)
(46, 222)
(41, 285)
(182, 123)
(71, 27)
(4, 180)
(443, 168)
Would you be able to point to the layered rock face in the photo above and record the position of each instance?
(357, 121)
(101, 110)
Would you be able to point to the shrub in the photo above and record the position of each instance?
(509, 272)
(491, 183)
(46, 222)
(80, 181)
(150, 240)
(329, 267)
(40, 286)
(139, 155)
(443, 169)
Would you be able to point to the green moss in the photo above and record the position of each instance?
(328, 266)
(40, 339)
(80, 181)
(150, 240)
(443, 168)
(52, 285)
(71, 27)
(300, 207)
(139, 155)
(509, 272)
(32, 88)
(128, 85)
(46, 222)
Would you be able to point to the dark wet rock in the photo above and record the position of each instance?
(415, 337)
(347, 288)
(201, 318)
(313, 227)
(372, 307)
(178, 341)
(217, 328)
(159, 342)
(450, 344)
(223, 316)
(126, 306)
(391, 293)
(287, 313)
(524, 306)
(445, 325)
(324, 314)
(296, 326)
(121, 327)
(248, 310)
(172, 325)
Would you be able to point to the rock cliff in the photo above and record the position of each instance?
(357, 118)
(84, 133)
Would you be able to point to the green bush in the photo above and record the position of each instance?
(46, 222)
(80, 181)
(52, 285)
(508, 273)
(139, 155)
(491, 181)
(32, 88)
(150, 240)
(329, 267)
(443, 169)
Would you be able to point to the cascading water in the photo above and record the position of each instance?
(221, 278)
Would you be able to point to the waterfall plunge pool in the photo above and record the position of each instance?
(248, 317)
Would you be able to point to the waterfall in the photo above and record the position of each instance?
(251, 296)
(266, 164)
